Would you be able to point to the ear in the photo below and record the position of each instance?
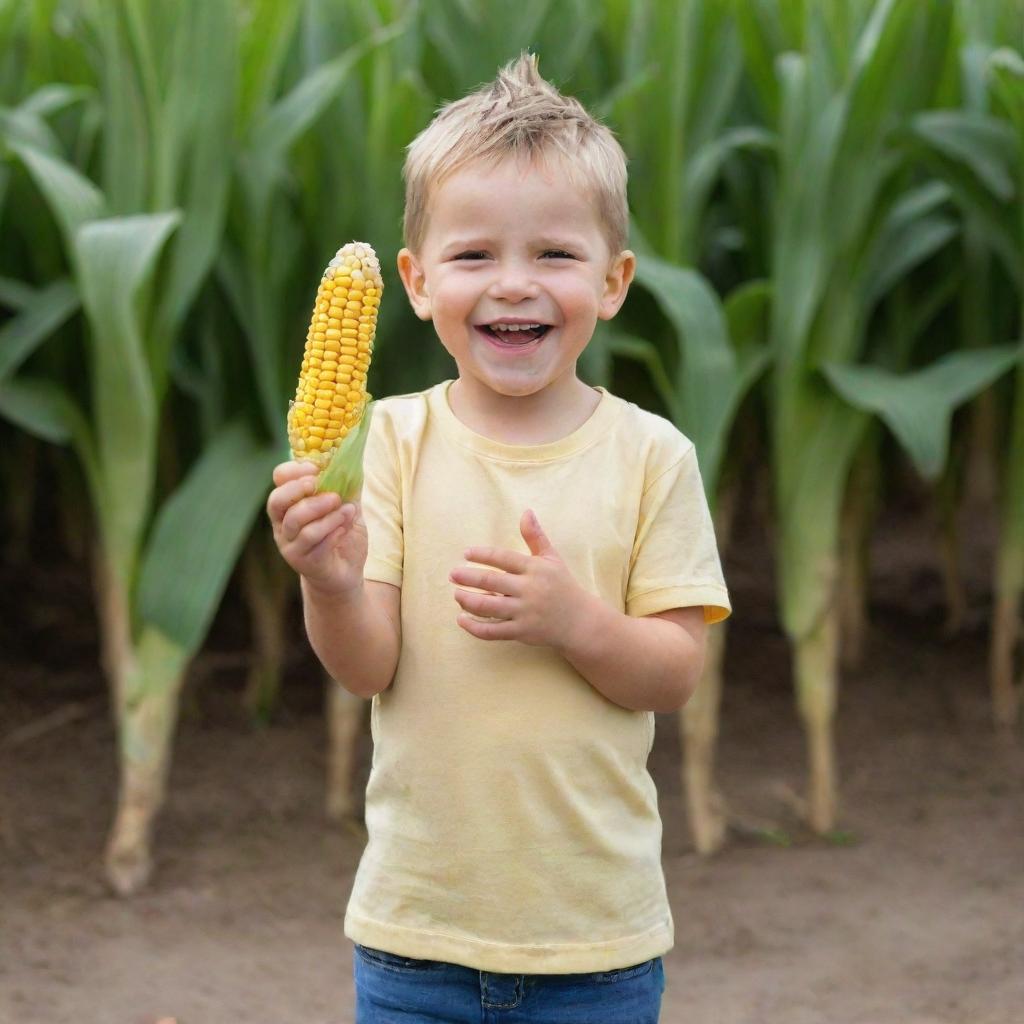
(616, 284)
(411, 272)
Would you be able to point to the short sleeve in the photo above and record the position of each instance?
(675, 562)
(382, 504)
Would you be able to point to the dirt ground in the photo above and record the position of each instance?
(914, 914)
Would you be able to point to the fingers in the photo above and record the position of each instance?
(307, 511)
(294, 502)
(485, 579)
(287, 494)
(286, 471)
(489, 605)
(317, 530)
(488, 630)
(500, 558)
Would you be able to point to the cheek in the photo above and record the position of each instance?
(580, 298)
(454, 298)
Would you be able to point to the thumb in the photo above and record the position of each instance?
(536, 539)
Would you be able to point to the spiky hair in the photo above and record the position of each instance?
(518, 115)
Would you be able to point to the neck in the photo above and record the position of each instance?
(547, 415)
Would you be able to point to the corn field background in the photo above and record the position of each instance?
(828, 211)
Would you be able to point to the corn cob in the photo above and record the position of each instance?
(331, 397)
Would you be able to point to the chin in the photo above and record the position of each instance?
(515, 389)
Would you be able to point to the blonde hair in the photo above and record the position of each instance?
(518, 114)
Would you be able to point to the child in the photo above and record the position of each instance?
(527, 578)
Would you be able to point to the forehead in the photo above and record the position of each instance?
(512, 196)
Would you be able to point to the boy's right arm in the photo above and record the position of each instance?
(354, 627)
(358, 637)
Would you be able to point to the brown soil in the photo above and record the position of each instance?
(912, 914)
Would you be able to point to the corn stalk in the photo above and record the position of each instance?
(1007, 70)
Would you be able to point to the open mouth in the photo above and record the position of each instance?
(514, 335)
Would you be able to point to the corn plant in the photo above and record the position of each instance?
(302, 73)
(1007, 69)
(138, 247)
(967, 490)
(34, 109)
(969, 275)
(980, 155)
(847, 225)
(681, 67)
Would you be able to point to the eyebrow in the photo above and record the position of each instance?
(548, 242)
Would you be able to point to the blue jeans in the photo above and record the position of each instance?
(399, 990)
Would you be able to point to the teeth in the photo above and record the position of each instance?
(515, 327)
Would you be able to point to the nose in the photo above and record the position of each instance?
(513, 282)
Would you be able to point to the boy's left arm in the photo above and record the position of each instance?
(648, 663)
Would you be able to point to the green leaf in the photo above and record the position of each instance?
(73, 198)
(117, 258)
(205, 151)
(976, 198)
(39, 407)
(292, 115)
(15, 294)
(53, 98)
(624, 93)
(805, 234)
(199, 532)
(266, 37)
(20, 127)
(131, 140)
(978, 141)
(706, 373)
(918, 406)
(898, 251)
(38, 318)
(762, 37)
(703, 170)
(809, 514)
(878, 71)
(1007, 69)
(627, 346)
(911, 310)
(747, 313)
(45, 410)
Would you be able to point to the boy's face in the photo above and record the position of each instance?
(510, 245)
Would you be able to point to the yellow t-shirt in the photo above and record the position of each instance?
(513, 825)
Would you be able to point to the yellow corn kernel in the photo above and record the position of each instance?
(330, 396)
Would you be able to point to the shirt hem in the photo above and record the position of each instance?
(504, 958)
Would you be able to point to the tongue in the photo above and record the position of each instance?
(519, 337)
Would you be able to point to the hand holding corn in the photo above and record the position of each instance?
(314, 507)
(323, 539)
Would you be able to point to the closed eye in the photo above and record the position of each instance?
(471, 254)
(558, 254)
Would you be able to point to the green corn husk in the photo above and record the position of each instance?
(344, 473)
